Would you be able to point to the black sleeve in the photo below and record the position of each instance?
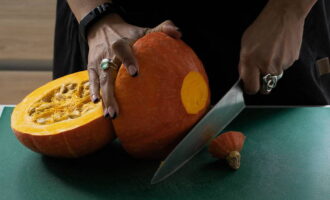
(70, 51)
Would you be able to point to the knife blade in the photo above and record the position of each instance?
(212, 123)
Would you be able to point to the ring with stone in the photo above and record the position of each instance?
(107, 63)
(269, 82)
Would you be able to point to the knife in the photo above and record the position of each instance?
(209, 126)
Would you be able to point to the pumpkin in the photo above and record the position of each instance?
(159, 106)
(59, 119)
(228, 146)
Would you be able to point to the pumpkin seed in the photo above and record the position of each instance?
(71, 86)
(59, 96)
(41, 120)
(74, 114)
(47, 98)
(63, 89)
(57, 117)
(86, 85)
(85, 93)
(85, 109)
(31, 111)
(43, 107)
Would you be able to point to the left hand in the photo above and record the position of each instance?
(112, 37)
(271, 44)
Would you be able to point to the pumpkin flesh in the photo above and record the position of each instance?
(59, 119)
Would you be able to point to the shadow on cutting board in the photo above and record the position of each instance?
(111, 172)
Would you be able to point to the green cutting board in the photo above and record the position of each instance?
(286, 156)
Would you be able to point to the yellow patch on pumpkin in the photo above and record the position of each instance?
(194, 92)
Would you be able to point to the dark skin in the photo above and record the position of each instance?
(118, 45)
(270, 45)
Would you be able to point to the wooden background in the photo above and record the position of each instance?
(26, 36)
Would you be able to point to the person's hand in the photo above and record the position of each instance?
(112, 38)
(272, 43)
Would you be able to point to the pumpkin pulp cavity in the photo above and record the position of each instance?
(58, 106)
(194, 92)
(58, 119)
(69, 101)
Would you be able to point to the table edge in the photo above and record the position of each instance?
(252, 106)
(3, 106)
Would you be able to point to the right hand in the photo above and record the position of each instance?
(111, 37)
(271, 44)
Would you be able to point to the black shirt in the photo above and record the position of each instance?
(214, 31)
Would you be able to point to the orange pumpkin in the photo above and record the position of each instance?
(164, 101)
(228, 146)
(59, 119)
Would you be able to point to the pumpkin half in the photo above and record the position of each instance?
(164, 101)
(59, 119)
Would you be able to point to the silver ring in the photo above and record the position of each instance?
(107, 63)
(269, 82)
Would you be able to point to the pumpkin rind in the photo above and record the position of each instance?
(225, 143)
(228, 146)
(153, 117)
(66, 138)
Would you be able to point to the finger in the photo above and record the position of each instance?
(123, 50)
(289, 64)
(274, 70)
(94, 84)
(250, 76)
(167, 27)
(110, 105)
(116, 61)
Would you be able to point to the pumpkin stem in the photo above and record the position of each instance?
(234, 159)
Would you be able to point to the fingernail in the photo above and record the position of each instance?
(95, 99)
(132, 70)
(106, 113)
(112, 112)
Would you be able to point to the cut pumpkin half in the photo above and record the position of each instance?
(59, 119)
